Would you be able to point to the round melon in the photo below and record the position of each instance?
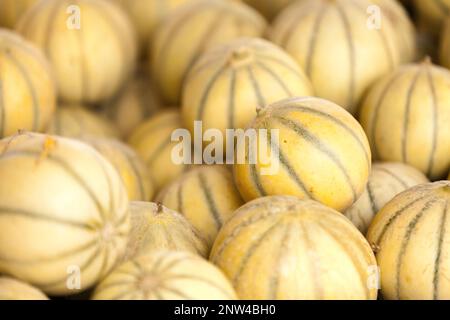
(410, 237)
(129, 165)
(12, 289)
(206, 196)
(333, 38)
(386, 180)
(77, 121)
(153, 142)
(27, 88)
(432, 13)
(155, 227)
(146, 15)
(269, 8)
(405, 30)
(12, 10)
(91, 45)
(405, 116)
(189, 31)
(136, 102)
(166, 275)
(63, 213)
(281, 247)
(315, 150)
(229, 83)
(444, 52)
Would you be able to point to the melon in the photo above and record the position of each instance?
(410, 237)
(134, 104)
(405, 116)
(77, 121)
(27, 87)
(153, 142)
(333, 38)
(12, 289)
(281, 247)
(315, 150)
(63, 221)
(91, 45)
(206, 196)
(444, 52)
(166, 275)
(146, 16)
(12, 10)
(129, 165)
(155, 227)
(269, 8)
(386, 180)
(184, 35)
(229, 83)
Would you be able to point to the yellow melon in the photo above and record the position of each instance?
(12, 289)
(269, 8)
(432, 13)
(63, 213)
(146, 15)
(386, 180)
(12, 10)
(136, 102)
(405, 116)
(77, 121)
(317, 150)
(27, 89)
(333, 43)
(281, 247)
(166, 275)
(444, 52)
(153, 142)
(206, 196)
(155, 227)
(189, 31)
(129, 165)
(410, 236)
(91, 44)
(228, 83)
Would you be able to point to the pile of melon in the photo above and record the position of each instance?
(224, 149)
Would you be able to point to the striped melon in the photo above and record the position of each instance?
(155, 227)
(229, 82)
(189, 31)
(63, 213)
(332, 38)
(410, 236)
(12, 10)
(404, 28)
(153, 142)
(405, 116)
(91, 44)
(432, 13)
(129, 165)
(386, 180)
(137, 101)
(269, 8)
(323, 154)
(146, 15)
(444, 52)
(27, 89)
(281, 247)
(166, 275)
(12, 289)
(206, 196)
(77, 121)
